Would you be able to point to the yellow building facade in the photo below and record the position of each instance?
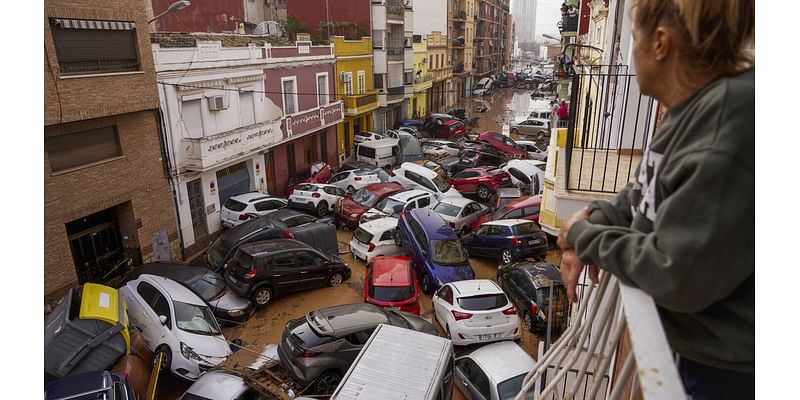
(417, 105)
(355, 88)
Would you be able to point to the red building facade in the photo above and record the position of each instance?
(201, 16)
(352, 17)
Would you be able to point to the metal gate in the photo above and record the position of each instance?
(97, 248)
(197, 208)
(232, 180)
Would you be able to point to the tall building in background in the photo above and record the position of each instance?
(524, 12)
(462, 17)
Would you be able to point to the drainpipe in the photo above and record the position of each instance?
(168, 150)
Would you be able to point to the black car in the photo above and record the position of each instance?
(228, 307)
(471, 159)
(528, 285)
(90, 385)
(262, 270)
(284, 223)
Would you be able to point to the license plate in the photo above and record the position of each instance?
(393, 308)
(531, 242)
(487, 337)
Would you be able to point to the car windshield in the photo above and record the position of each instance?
(447, 209)
(483, 302)
(275, 221)
(194, 318)
(216, 252)
(362, 235)
(391, 293)
(365, 198)
(498, 214)
(449, 252)
(441, 183)
(390, 206)
(234, 205)
(525, 229)
(509, 388)
(209, 286)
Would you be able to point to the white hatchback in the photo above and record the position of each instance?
(319, 197)
(238, 209)
(475, 311)
(413, 176)
(394, 205)
(177, 323)
(375, 238)
(355, 179)
(527, 175)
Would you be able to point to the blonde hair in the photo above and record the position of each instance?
(714, 36)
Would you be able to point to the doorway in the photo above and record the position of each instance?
(197, 209)
(97, 247)
(347, 139)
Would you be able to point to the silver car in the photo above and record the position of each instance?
(219, 385)
(533, 126)
(493, 372)
(460, 212)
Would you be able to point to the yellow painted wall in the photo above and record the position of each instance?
(353, 56)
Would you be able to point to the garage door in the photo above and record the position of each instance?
(232, 180)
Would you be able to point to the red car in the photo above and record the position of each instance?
(481, 180)
(320, 172)
(450, 129)
(504, 144)
(390, 282)
(362, 200)
(523, 208)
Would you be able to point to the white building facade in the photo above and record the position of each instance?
(393, 60)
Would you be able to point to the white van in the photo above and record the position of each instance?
(483, 87)
(398, 363)
(383, 153)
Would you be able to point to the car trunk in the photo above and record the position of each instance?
(486, 310)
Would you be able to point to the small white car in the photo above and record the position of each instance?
(355, 179)
(319, 197)
(440, 148)
(460, 212)
(220, 385)
(238, 209)
(366, 136)
(532, 126)
(534, 152)
(495, 371)
(177, 323)
(395, 204)
(411, 130)
(413, 176)
(375, 238)
(475, 311)
(527, 175)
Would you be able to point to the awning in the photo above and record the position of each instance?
(91, 24)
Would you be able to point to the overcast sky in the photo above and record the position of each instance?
(548, 13)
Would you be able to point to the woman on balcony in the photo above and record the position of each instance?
(683, 231)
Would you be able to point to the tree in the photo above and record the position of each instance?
(292, 26)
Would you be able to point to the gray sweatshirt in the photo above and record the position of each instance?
(683, 231)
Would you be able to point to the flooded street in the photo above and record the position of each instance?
(503, 107)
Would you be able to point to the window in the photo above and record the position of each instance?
(322, 88)
(365, 151)
(347, 82)
(77, 149)
(377, 80)
(289, 95)
(424, 202)
(247, 108)
(94, 47)
(528, 211)
(359, 338)
(333, 191)
(192, 117)
(388, 235)
(446, 294)
(478, 378)
(307, 258)
(377, 39)
(269, 205)
(362, 82)
(283, 260)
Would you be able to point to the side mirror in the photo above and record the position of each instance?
(163, 319)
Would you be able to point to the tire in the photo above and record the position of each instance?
(327, 382)
(335, 279)
(514, 131)
(166, 363)
(398, 238)
(484, 192)
(425, 283)
(506, 256)
(528, 322)
(262, 296)
(322, 208)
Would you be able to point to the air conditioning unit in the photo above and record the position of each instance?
(216, 103)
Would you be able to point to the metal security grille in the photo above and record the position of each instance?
(197, 208)
(91, 47)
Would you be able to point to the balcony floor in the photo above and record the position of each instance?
(612, 171)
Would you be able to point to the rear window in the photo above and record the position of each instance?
(508, 389)
(391, 293)
(447, 209)
(483, 302)
(543, 295)
(234, 205)
(242, 260)
(307, 337)
(525, 229)
(362, 235)
(368, 152)
(307, 187)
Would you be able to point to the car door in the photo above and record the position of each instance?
(333, 195)
(312, 268)
(495, 240)
(153, 305)
(469, 214)
(340, 179)
(466, 181)
(512, 286)
(443, 303)
(471, 380)
(281, 270)
(478, 242)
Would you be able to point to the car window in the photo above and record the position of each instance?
(331, 190)
(388, 235)
(161, 307)
(234, 205)
(283, 260)
(525, 229)
(519, 175)
(484, 230)
(307, 187)
(528, 211)
(412, 176)
(308, 258)
(268, 205)
(496, 230)
(446, 294)
(197, 319)
(299, 220)
(427, 183)
(367, 152)
(148, 293)
(514, 214)
(465, 175)
(474, 375)
(359, 338)
(423, 202)
(509, 388)
(483, 302)
(419, 234)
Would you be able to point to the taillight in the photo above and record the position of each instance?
(243, 217)
(534, 309)
(358, 178)
(452, 225)
(510, 311)
(458, 315)
(315, 195)
(517, 242)
(250, 274)
(287, 234)
(371, 247)
(309, 353)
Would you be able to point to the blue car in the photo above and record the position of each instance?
(90, 385)
(437, 254)
(508, 240)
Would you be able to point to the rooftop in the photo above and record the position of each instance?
(190, 39)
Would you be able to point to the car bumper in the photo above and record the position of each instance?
(240, 288)
(358, 254)
(464, 335)
(188, 369)
(539, 250)
(224, 317)
(350, 223)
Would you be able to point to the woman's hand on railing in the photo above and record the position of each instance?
(571, 268)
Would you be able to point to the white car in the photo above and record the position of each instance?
(527, 175)
(220, 385)
(411, 130)
(177, 323)
(238, 209)
(534, 152)
(532, 126)
(413, 176)
(355, 179)
(366, 136)
(493, 372)
(460, 212)
(440, 148)
(475, 311)
(395, 204)
(320, 197)
(375, 238)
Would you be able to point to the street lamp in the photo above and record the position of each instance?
(174, 7)
(551, 37)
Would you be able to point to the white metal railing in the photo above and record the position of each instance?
(577, 366)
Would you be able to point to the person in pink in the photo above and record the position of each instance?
(563, 111)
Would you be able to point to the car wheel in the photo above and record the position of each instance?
(506, 256)
(327, 382)
(166, 361)
(262, 296)
(351, 189)
(528, 321)
(398, 238)
(484, 192)
(335, 279)
(514, 131)
(322, 208)
(425, 283)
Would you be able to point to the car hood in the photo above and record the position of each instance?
(213, 349)
(452, 192)
(453, 273)
(373, 213)
(351, 207)
(229, 301)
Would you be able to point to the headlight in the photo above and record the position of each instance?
(188, 353)
(236, 313)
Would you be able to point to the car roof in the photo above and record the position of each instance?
(217, 385)
(380, 143)
(509, 192)
(379, 225)
(249, 197)
(502, 360)
(457, 201)
(384, 187)
(541, 273)
(527, 164)
(175, 290)
(318, 185)
(525, 201)
(285, 213)
(433, 223)
(419, 169)
(475, 287)
(407, 195)
(391, 271)
(508, 222)
(271, 245)
(345, 319)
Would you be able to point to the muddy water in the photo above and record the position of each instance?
(502, 107)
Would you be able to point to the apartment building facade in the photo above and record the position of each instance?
(354, 87)
(462, 18)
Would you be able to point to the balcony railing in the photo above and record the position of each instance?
(209, 151)
(610, 123)
(357, 104)
(312, 120)
(395, 53)
(423, 78)
(579, 365)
